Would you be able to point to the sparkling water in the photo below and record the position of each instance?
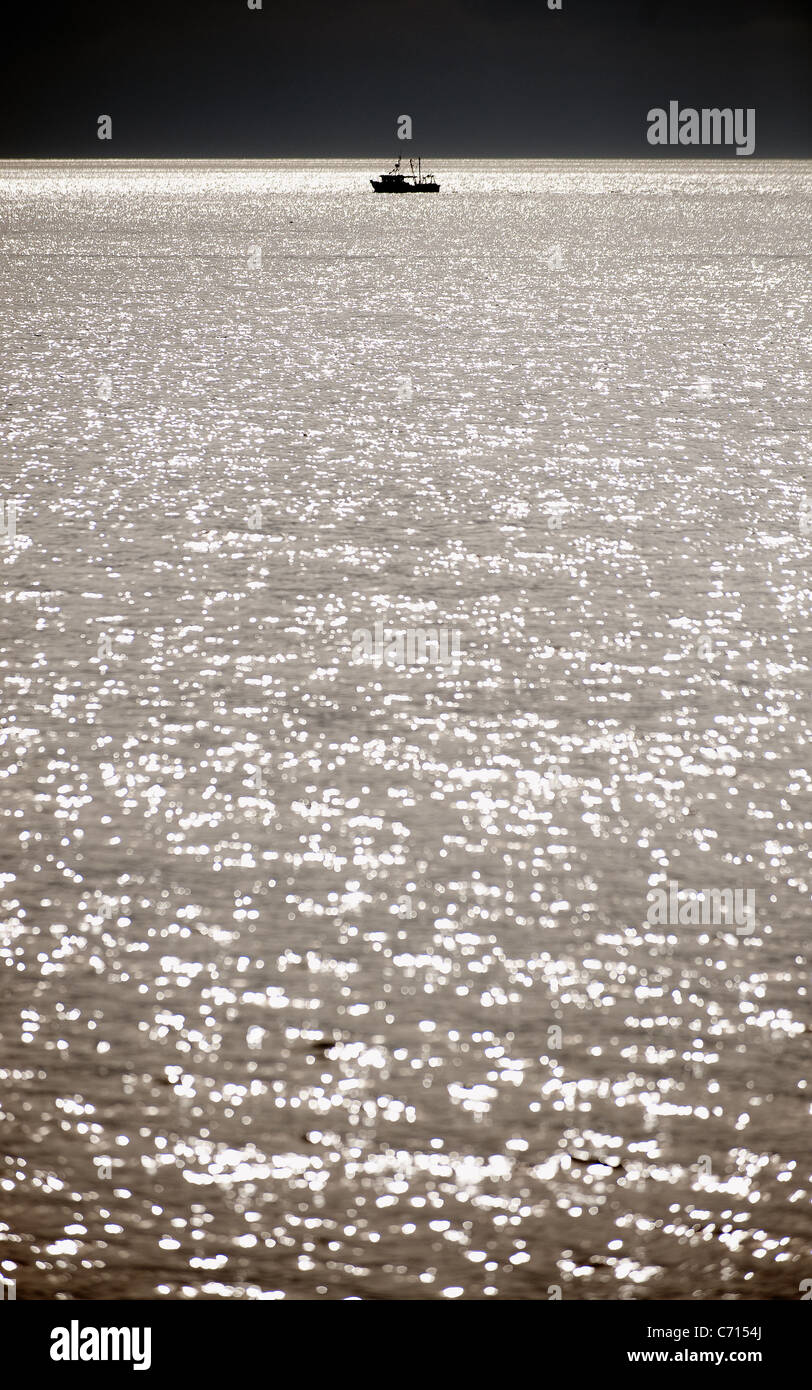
(331, 968)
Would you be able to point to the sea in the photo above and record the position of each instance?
(406, 710)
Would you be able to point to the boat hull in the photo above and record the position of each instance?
(381, 186)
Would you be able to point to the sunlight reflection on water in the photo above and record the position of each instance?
(325, 979)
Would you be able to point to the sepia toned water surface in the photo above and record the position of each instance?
(322, 979)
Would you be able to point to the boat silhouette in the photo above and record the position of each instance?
(413, 182)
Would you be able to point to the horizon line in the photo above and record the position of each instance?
(721, 158)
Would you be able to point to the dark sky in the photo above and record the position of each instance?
(310, 78)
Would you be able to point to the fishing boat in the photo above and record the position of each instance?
(413, 182)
